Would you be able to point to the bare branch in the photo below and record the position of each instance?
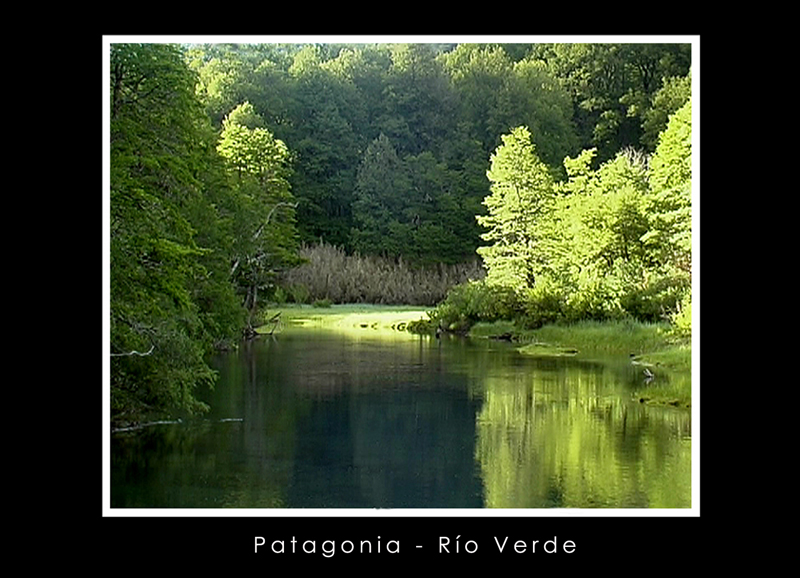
(134, 353)
(257, 234)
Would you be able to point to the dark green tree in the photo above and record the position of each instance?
(666, 101)
(611, 87)
(381, 223)
(419, 103)
(325, 106)
(163, 281)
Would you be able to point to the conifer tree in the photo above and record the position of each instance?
(522, 192)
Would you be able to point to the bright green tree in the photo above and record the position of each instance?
(594, 249)
(522, 193)
(670, 203)
(263, 211)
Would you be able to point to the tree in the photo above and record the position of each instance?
(481, 75)
(611, 87)
(162, 322)
(380, 224)
(522, 193)
(497, 94)
(264, 207)
(673, 94)
(419, 103)
(670, 202)
(326, 147)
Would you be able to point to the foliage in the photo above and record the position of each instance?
(266, 241)
(169, 301)
(670, 236)
(522, 192)
(606, 243)
(682, 318)
(193, 221)
(225, 158)
(443, 110)
(673, 94)
(473, 302)
(612, 86)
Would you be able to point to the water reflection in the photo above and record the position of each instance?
(334, 421)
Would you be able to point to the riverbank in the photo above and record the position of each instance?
(357, 316)
(649, 346)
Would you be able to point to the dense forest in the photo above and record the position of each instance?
(535, 182)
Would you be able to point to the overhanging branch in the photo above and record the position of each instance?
(134, 353)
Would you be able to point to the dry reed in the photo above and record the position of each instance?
(332, 274)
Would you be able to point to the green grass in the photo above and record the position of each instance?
(547, 350)
(673, 358)
(352, 317)
(611, 337)
(650, 346)
(608, 337)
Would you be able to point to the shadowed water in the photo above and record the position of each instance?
(322, 419)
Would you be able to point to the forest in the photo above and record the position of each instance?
(540, 183)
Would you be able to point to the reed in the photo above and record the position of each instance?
(333, 275)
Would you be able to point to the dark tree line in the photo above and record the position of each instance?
(424, 119)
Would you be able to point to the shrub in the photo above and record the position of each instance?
(659, 299)
(682, 318)
(475, 301)
(544, 304)
(298, 293)
(598, 301)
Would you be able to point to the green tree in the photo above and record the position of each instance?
(381, 224)
(264, 206)
(497, 94)
(670, 202)
(161, 153)
(611, 87)
(419, 103)
(594, 249)
(480, 76)
(326, 146)
(522, 193)
(670, 97)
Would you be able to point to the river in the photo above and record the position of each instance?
(316, 418)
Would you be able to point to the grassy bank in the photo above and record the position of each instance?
(652, 347)
(352, 317)
(611, 337)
